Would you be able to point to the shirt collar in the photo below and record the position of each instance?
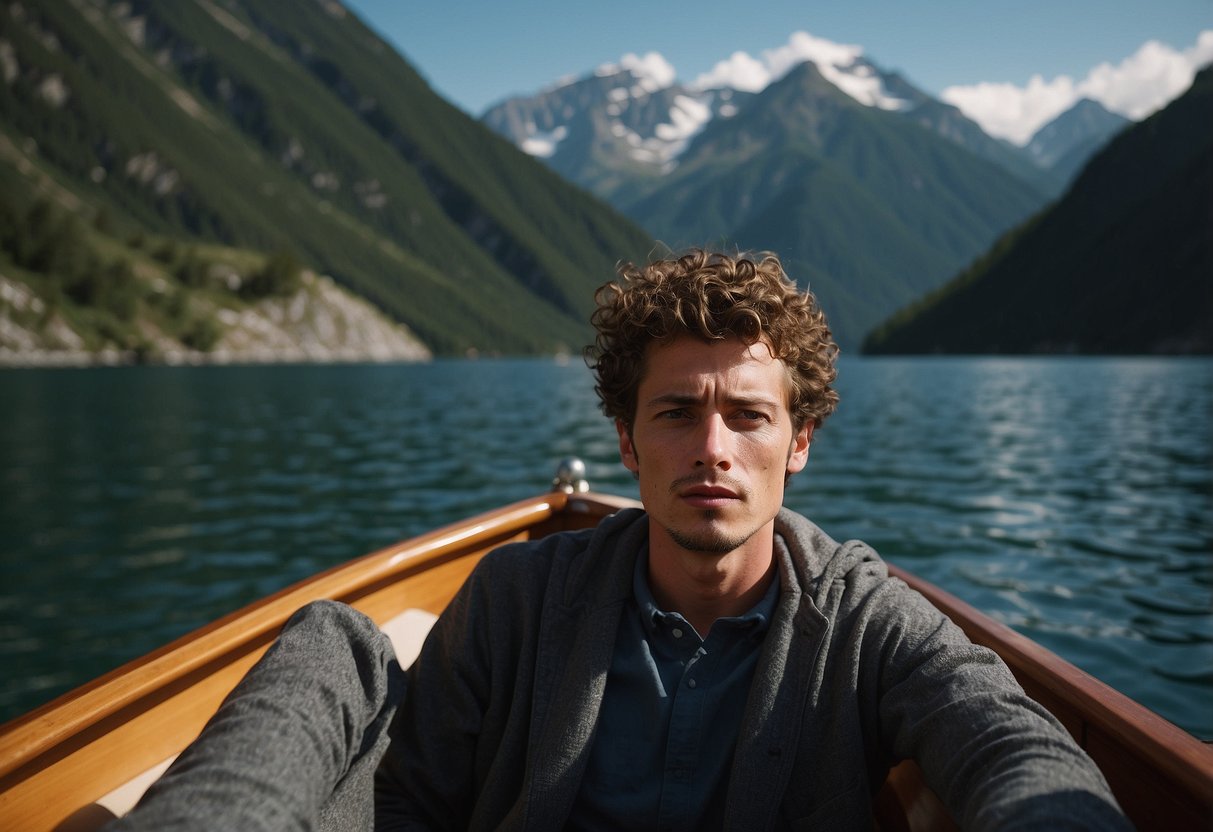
(756, 619)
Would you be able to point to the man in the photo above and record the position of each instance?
(713, 661)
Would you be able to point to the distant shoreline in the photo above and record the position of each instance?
(78, 359)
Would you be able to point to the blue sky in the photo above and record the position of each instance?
(477, 52)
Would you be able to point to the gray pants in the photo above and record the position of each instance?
(296, 743)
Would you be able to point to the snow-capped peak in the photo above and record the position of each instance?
(657, 143)
(843, 65)
(686, 117)
(652, 118)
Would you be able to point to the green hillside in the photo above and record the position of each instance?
(282, 126)
(1123, 263)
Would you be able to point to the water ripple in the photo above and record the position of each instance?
(1071, 499)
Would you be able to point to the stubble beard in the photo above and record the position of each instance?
(709, 542)
(712, 540)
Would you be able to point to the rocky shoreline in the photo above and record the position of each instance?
(320, 323)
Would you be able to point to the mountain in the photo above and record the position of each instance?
(1121, 264)
(615, 132)
(622, 127)
(270, 125)
(873, 192)
(1066, 143)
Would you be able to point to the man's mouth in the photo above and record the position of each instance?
(708, 496)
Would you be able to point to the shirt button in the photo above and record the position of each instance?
(677, 632)
(691, 683)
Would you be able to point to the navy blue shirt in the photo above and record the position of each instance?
(670, 716)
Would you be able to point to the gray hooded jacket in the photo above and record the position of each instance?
(856, 672)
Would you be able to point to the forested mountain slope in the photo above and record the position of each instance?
(275, 125)
(1123, 263)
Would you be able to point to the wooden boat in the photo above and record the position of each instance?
(87, 756)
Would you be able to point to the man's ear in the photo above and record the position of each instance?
(799, 455)
(627, 451)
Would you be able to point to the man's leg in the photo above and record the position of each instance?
(296, 743)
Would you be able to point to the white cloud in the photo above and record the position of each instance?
(836, 61)
(1140, 84)
(1011, 112)
(1147, 79)
(1136, 87)
(740, 72)
(802, 46)
(1201, 54)
(652, 70)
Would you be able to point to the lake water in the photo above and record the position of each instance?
(1070, 498)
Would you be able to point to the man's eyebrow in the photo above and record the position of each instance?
(674, 398)
(688, 399)
(753, 401)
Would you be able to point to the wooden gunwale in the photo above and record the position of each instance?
(72, 751)
(1161, 775)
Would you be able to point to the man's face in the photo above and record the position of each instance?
(712, 441)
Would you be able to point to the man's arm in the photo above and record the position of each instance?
(997, 758)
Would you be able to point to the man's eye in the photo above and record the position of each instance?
(752, 416)
(676, 413)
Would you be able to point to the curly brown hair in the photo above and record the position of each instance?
(712, 296)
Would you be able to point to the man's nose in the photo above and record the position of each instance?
(715, 445)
